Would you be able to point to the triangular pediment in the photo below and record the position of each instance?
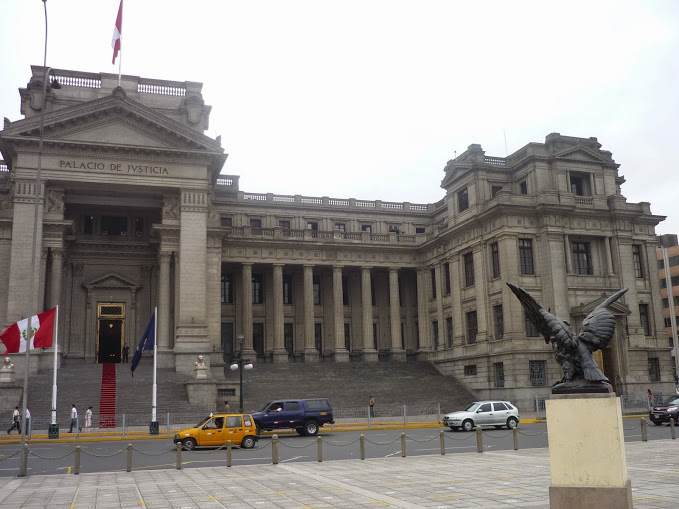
(115, 130)
(580, 153)
(617, 308)
(111, 280)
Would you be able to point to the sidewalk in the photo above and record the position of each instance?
(501, 479)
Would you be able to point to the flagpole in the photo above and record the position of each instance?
(54, 379)
(120, 56)
(155, 358)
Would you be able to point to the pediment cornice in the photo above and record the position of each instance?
(617, 308)
(111, 280)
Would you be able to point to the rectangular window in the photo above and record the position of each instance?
(576, 185)
(636, 257)
(255, 223)
(340, 227)
(88, 226)
(495, 257)
(227, 288)
(287, 289)
(138, 226)
(494, 190)
(113, 225)
(433, 283)
(288, 337)
(226, 221)
(462, 200)
(470, 370)
(318, 337)
(449, 331)
(347, 337)
(499, 368)
(654, 369)
(312, 225)
(472, 327)
(446, 271)
(469, 269)
(537, 372)
(435, 333)
(257, 288)
(645, 319)
(317, 290)
(284, 224)
(366, 228)
(419, 230)
(258, 338)
(526, 256)
(498, 319)
(523, 187)
(665, 303)
(582, 259)
(394, 228)
(531, 330)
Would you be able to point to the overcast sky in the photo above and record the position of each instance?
(370, 99)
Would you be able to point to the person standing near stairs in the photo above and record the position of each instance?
(88, 417)
(126, 353)
(371, 402)
(74, 419)
(16, 421)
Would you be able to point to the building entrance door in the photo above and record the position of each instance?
(110, 330)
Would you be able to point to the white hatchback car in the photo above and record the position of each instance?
(484, 414)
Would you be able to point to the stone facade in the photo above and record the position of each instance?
(668, 258)
(135, 214)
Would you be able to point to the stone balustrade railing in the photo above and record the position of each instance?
(279, 233)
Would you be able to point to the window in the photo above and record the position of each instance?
(537, 372)
(340, 227)
(665, 303)
(433, 283)
(435, 333)
(636, 257)
(394, 228)
(88, 225)
(287, 289)
(138, 226)
(523, 187)
(312, 225)
(580, 184)
(469, 269)
(257, 288)
(462, 200)
(375, 336)
(113, 225)
(526, 256)
(284, 224)
(498, 319)
(226, 221)
(366, 228)
(227, 288)
(446, 270)
(317, 290)
(288, 337)
(347, 337)
(495, 256)
(499, 374)
(582, 260)
(470, 370)
(486, 407)
(645, 319)
(449, 331)
(318, 337)
(258, 338)
(653, 369)
(494, 190)
(472, 327)
(674, 261)
(499, 406)
(531, 330)
(255, 223)
(419, 229)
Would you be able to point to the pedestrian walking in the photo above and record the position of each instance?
(16, 421)
(371, 402)
(126, 353)
(650, 400)
(74, 419)
(88, 417)
(28, 421)
(227, 408)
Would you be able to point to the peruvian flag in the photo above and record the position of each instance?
(16, 336)
(117, 31)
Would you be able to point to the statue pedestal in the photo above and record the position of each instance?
(587, 452)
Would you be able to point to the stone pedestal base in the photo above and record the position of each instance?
(561, 497)
(587, 452)
(280, 356)
(398, 355)
(202, 393)
(165, 358)
(311, 355)
(341, 355)
(370, 356)
(46, 360)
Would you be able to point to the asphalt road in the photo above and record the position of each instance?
(109, 456)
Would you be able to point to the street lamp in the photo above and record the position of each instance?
(240, 364)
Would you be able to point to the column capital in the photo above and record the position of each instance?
(393, 269)
(165, 256)
(278, 265)
(337, 268)
(308, 265)
(57, 253)
(247, 264)
(366, 268)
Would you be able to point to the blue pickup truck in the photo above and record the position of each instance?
(305, 416)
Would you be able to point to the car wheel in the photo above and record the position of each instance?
(310, 428)
(248, 442)
(454, 428)
(300, 431)
(190, 443)
(468, 425)
(512, 422)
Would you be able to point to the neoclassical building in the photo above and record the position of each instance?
(135, 212)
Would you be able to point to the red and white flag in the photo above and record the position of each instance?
(16, 336)
(117, 31)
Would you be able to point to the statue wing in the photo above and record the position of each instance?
(598, 327)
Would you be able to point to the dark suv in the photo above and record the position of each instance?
(305, 416)
(668, 410)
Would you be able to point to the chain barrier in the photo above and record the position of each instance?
(102, 455)
(531, 434)
(423, 440)
(49, 458)
(260, 447)
(496, 436)
(10, 456)
(169, 451)
(470, 435)
(283, 442)
(220, 448)
(341, 444)
(631, 427)
(383, 443)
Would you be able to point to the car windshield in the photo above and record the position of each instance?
(672, 400)
(472, 407)
(265, 406)
(203, 421)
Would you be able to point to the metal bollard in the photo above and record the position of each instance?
(479, 439)
(403, 445)
(76, 469)
(515, 433)
(124, 425)
(319, 441)
(168, 423)
(25, 453)
(672, 429)
(129, 457)
(443, 444)
(405, 419)
(644, 431)
(228, 453)
(362, 442)
(179, 455)
(274, 449)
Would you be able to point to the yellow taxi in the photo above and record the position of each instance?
(217, 429)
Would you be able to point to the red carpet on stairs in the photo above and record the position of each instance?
(107, 403)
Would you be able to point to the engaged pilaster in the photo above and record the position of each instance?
(279, 352)
(369, 351)
(397, 351)
(310, 352)
(341, 353)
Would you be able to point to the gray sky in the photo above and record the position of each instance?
(369, 99)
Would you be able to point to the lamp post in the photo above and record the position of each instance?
(23, 466)
(240, 364)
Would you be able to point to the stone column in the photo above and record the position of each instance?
(164, 301)
(310, 352)
(397, 351)
(458, 315)
(246, 300)
(439, 307)
(609, 260)
(279, 353)
(341, 353)
(369, 352)
(423, 314)
(569, 254)
(56, 276)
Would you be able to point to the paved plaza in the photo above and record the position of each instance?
(488, 480)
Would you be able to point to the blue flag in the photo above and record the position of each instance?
(147, 342)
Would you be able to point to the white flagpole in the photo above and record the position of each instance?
(54, 379)
(155, 357)
(120, 58)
